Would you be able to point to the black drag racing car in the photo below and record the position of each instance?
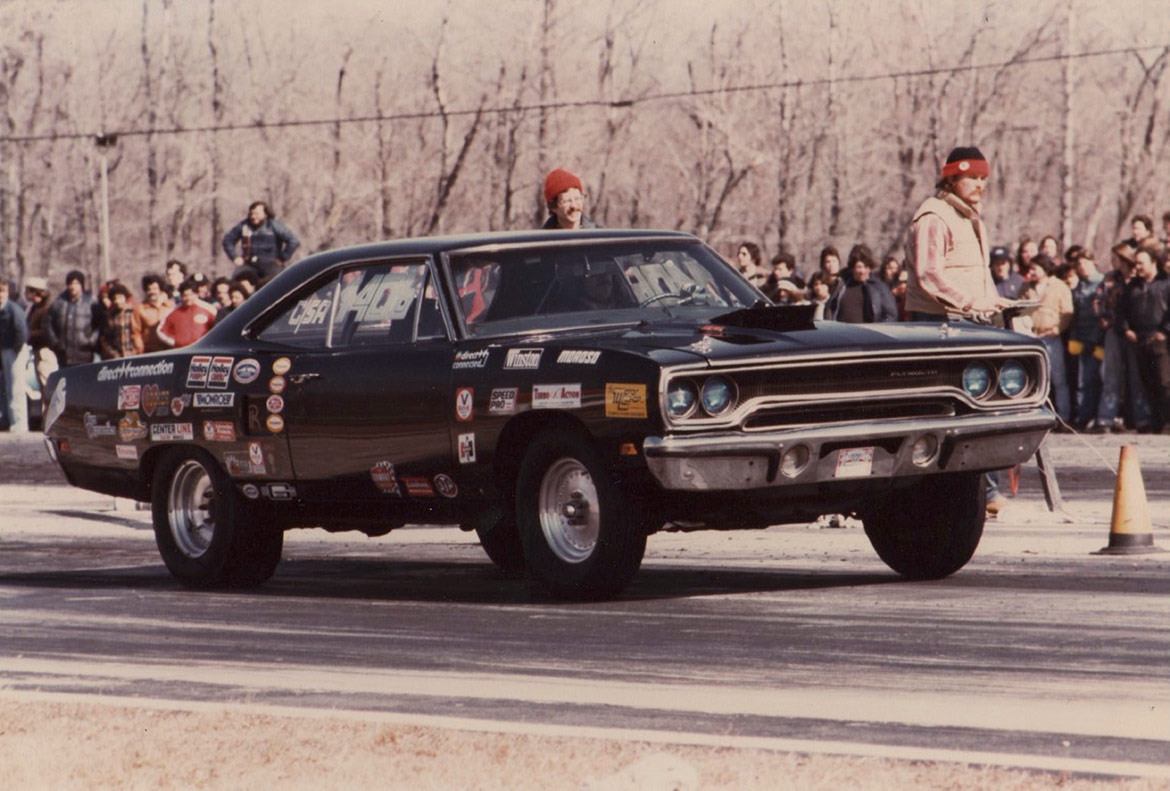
(562, 394)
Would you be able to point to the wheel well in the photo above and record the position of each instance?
(520, 432)
(150, 462)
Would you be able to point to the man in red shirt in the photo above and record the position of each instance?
(190, 321)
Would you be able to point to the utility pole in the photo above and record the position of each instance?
(105, 143)
(1067, 166)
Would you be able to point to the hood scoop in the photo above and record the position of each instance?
(779, 318)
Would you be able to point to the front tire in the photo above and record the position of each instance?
(201, 525)
(582, 536)
(501, 542)
(929, 531)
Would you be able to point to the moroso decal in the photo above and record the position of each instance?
(446, 486)
(556, 396)
(467, 448)
(198, 369)
(464, 403)
(246, 371)
(220, 372)
(129, 397)
(574, 357)
(625, 400)
(382, 474)
(525, 359)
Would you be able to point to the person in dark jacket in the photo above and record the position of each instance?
(36, 294)
(1144, 322)
(1007, 282)
(73, 322)
(565, 198)
(1086, 339)
(13, 359)
(864, 299)
(260, 242)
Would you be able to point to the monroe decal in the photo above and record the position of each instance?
(214, 400)
(132, 370)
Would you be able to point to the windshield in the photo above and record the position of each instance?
(561, 286)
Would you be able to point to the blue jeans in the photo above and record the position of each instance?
(12, 392)
(1088, 385)
(1121, 382)
(1055, 349)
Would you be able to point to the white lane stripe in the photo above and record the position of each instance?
(1133, 718)
(840, 748)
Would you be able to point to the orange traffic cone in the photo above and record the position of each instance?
(1130, 532)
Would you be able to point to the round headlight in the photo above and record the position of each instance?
(1013, 378)
(977, 380)
(681, 399)
(717, 396)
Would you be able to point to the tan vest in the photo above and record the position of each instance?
(966, 260)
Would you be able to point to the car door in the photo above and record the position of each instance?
(365, 414)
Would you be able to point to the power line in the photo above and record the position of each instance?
(261, 124)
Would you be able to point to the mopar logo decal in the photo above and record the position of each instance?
(246, 371)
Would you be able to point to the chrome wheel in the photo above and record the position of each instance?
(190, 508)
(569, 511)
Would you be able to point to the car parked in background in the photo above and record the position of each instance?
(565, 395)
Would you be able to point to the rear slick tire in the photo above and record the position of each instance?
(931, 530)
(202, 526)
(582, 537)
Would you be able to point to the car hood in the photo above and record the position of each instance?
(749, 335)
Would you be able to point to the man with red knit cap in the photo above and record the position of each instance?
(949, 249)
(565, 198)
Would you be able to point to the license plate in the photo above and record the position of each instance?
(854, 463)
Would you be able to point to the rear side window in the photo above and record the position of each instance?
(305, 324)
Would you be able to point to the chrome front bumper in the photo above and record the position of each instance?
(730, 461)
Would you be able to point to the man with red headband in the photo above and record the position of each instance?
(565, 198)
(949, 248)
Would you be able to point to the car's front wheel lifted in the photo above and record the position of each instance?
(582, 537)
(201, 525)
(930, 530)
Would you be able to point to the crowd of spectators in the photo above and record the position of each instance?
(1106, 329)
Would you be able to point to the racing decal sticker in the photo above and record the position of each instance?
(220, 372)
(179, 403)
(128, 369)
(250, 491)
(130, 427)
(275, 423)
(168, 432)
(276, 384)
(93, 429)
(256, 454)
(281, 365)
(467, 448)
(464, 403)
(240, 463)
(275, 404)
(127, 452)
(155, 399)
(523, 359)
(129, 397)
(417, 487)
(279, 491)
(556, 396)
(384, 478)
(464, 360)
(246, 371)
(574, 357)
(503, 401)
(198, 369)
(625, 400)
(219, 431)
(446, 486)
(214, 400)
(56, 405)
